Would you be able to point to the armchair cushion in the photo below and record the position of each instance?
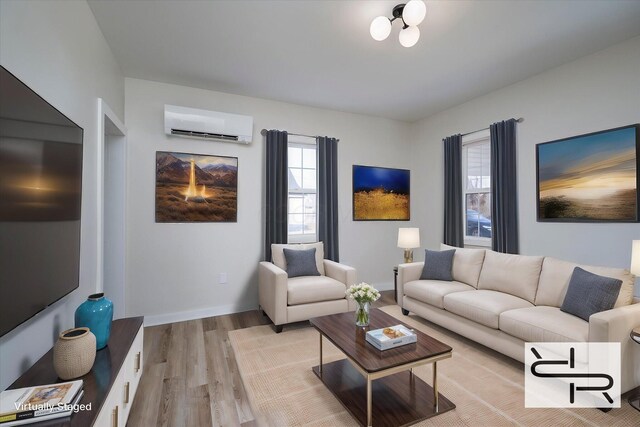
(301, 262)
(277, 254)
(310, 289)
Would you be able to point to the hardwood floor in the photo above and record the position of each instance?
(190, 374)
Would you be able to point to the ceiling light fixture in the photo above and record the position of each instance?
(411, 14)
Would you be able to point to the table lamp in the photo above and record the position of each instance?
(408, 239)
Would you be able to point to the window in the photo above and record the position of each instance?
(302, 193)
(476, 188)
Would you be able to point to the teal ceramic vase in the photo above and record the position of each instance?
(96, 313)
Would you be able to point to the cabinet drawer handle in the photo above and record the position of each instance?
(114, 417)
(126, 392)
(136, 364)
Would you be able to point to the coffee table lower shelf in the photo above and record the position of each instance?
(397, 400)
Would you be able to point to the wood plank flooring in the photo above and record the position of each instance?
(190, 375)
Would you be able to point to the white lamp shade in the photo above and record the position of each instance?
(380, 28)
(414, 12)
(409, 36)
(408, 238)
(635, 258)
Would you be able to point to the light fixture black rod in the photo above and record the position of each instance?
(518, 120)
(263, 132)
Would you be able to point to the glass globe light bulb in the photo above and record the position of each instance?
(414, 12)
(380, 28)
(409, 36)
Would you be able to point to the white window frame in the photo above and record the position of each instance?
(303, 142)
(471, 139)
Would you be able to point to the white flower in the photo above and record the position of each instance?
(363, 292)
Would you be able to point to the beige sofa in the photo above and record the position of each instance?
(287, 300)
(503, 301)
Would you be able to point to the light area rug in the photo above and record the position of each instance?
(486, 387)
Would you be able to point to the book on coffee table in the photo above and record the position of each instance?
(391, 337)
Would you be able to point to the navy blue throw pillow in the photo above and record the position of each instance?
(437, 265)
(301, 262)
(589, 293)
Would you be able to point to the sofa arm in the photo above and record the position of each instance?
(615, 326)
(272, 292)
(407, 273)
(340, 272)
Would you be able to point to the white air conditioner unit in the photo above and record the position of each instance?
(195, 123)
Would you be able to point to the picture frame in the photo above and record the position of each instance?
(381, 193)
(590, 178)
(195, 188)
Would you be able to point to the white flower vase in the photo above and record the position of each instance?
(362, 314)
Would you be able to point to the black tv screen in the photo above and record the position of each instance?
(40, 199)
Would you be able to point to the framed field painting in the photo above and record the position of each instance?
(196, 188)
(590, 178)
(380, 194)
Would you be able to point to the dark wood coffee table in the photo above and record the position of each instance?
(379, 386)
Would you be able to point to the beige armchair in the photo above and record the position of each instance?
(288, 300)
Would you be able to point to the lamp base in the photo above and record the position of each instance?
(408, 255)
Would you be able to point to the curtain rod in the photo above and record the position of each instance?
(263, 132)
(518, 120)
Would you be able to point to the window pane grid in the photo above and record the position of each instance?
(302, 192)
(477, 191)
(478, 167)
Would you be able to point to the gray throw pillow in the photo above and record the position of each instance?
(589, 293)
(301, 262)
(437, 265)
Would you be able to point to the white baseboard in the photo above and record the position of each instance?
(183, 316)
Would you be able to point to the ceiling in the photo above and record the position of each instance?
(320, 53)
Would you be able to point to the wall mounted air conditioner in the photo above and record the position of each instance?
(195, 123)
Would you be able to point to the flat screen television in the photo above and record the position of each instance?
(40, 199)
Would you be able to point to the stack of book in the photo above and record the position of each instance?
(391, 337)
(35, 404)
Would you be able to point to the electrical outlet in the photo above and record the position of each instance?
(222, 278)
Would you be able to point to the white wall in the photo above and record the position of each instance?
(58, 50)
(594, 93)
(174, 267)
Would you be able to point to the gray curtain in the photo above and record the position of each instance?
(453, 223)
(328, 196)
(504, 189)
(277, 190)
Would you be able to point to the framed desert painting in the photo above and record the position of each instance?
(590, 178)
(196, 188)
(380, 194)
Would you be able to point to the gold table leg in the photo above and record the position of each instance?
(435, 386)
(369, 423)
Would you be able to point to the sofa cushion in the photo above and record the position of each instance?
(544, 324)
(483, 306)
(309, 289)
(301, 262)
(516, 275)
(437, 265)
(433, 291)
(277, 254)
(555, 276)
(467, 264)
(590, 293)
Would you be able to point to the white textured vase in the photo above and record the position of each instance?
(74, 353)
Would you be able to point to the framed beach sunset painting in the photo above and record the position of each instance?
(590, 178)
